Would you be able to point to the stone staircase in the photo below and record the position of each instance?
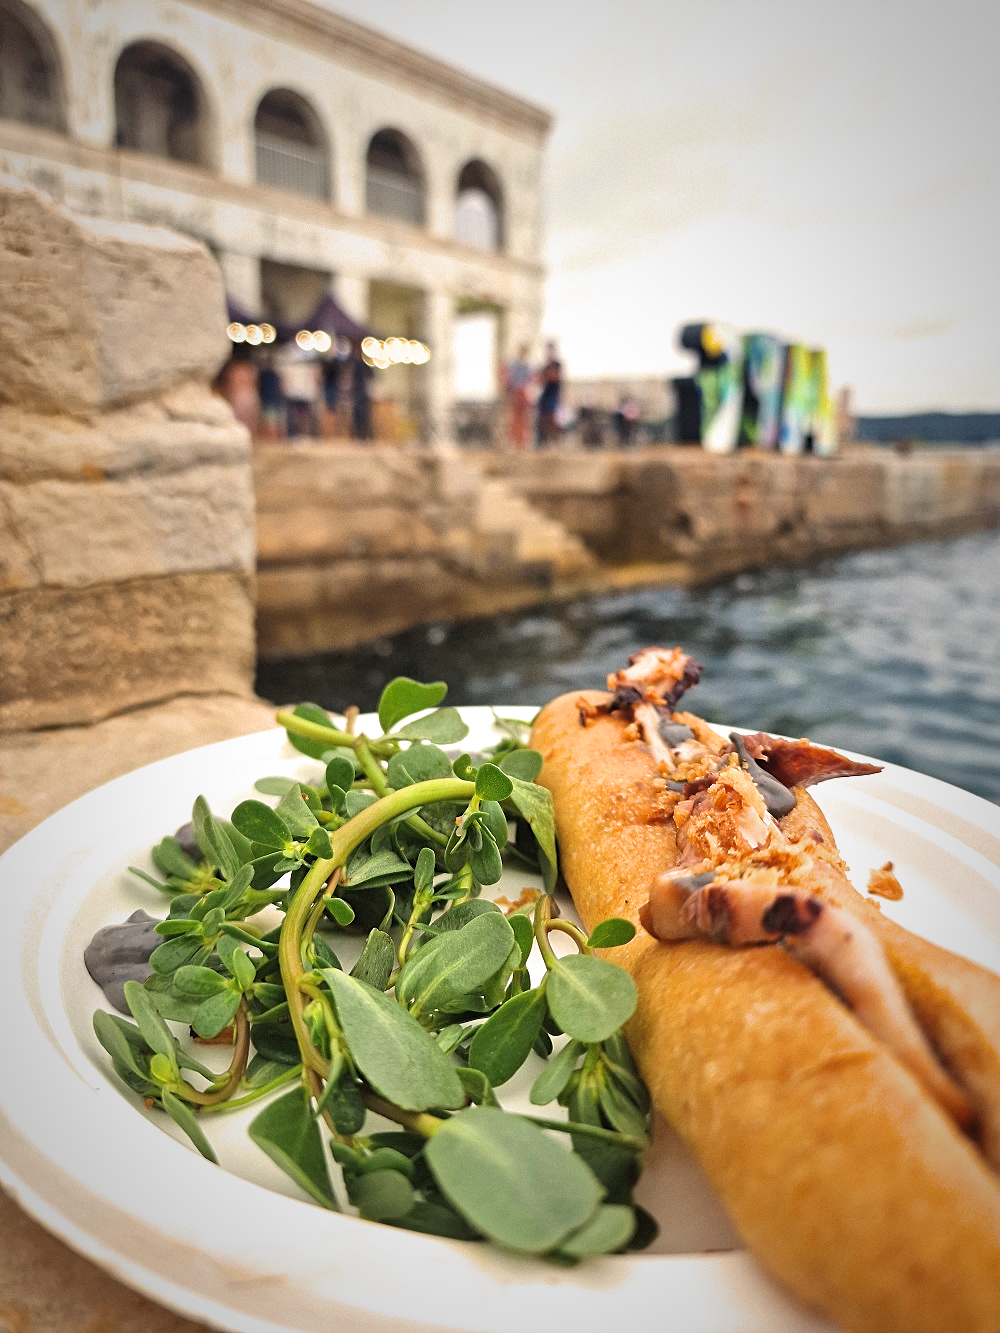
(509, 530)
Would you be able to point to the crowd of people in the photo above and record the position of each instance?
(291, 393)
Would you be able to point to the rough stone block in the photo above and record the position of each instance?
(97, 312)
(97, 531)
(77, 655)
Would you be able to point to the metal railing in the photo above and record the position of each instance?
(291, 166)
(395, 196)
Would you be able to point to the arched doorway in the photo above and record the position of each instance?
(394, 180)
(159, 105)
(30, 83)
(479, 207)
(290, 146)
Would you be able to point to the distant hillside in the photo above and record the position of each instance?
(944, 427)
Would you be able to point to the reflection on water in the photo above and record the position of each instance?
(892, 653)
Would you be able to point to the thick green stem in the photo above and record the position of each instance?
(237, 1069)
(542, 919)
(343, 842)
(574, 932)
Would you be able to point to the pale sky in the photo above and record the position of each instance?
(827, 172)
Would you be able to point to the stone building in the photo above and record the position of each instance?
(310, 153)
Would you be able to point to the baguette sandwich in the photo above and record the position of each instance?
(837, 1077)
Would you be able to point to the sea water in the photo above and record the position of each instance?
(892, 653)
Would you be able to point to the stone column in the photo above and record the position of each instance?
(351, 292)
(241, 279)
(439, 314)
(126, 505)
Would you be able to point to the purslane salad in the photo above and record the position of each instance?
(392, 842)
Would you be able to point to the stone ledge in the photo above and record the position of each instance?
(70, 656)
(41, 771)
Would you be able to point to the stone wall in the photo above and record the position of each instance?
(359, 541)
(126, 505)
(720, 513)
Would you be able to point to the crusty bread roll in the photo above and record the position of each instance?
(847, 1182)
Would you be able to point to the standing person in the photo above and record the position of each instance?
(517, 383)
(550, 378)
(238, 385)
(272, 405)
(361, 410)
(299, 373)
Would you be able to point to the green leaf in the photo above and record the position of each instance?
(382, 1196)
(492, 784)
(397, 1057)
(339, 773)
(423, 871)
(304, 744)
(341, 911)
(261, 1070)
(346, 1105)
(435, 1219)
(296, 813)
(242, 969)
(443, 726)
(589, 997)
(181, 1114)
(524, 934)
(557, 1073)
(382, 868)
(464, 768)
(477, 1086)
(523, 764)
(116, 1036)
(403, 696)
(216, 1013)
(510, 1179)
(418, 763)
(176, 952)
(503, 1043)
(288, 1133)
(356, 801)
(213, 839)
(172, 859)
(619, 1109)
(319, 844)
(609, 1230)
(273, 786)
(611, 933)
(377, 960)
(157, 1035)
(276, 1041)
(486, 862)
(455, 963)
(199, 982)
(261, 824)
(462, 913)
(534, 804)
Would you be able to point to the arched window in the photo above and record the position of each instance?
(290, 145)
(159, 107)
(479, 207)
(30, 86)
(394, 182)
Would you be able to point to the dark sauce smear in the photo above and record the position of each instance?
(121, 953)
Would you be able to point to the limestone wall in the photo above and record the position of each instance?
(718, 513)
(359, 541)
(126, 505)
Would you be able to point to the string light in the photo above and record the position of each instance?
(254, 334)
(395, 351)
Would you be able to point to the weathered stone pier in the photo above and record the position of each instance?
(356, 542)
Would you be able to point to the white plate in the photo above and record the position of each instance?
(237, 1247)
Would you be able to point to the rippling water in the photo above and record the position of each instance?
(891, 653)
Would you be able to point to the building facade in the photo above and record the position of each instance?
(310, 153)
